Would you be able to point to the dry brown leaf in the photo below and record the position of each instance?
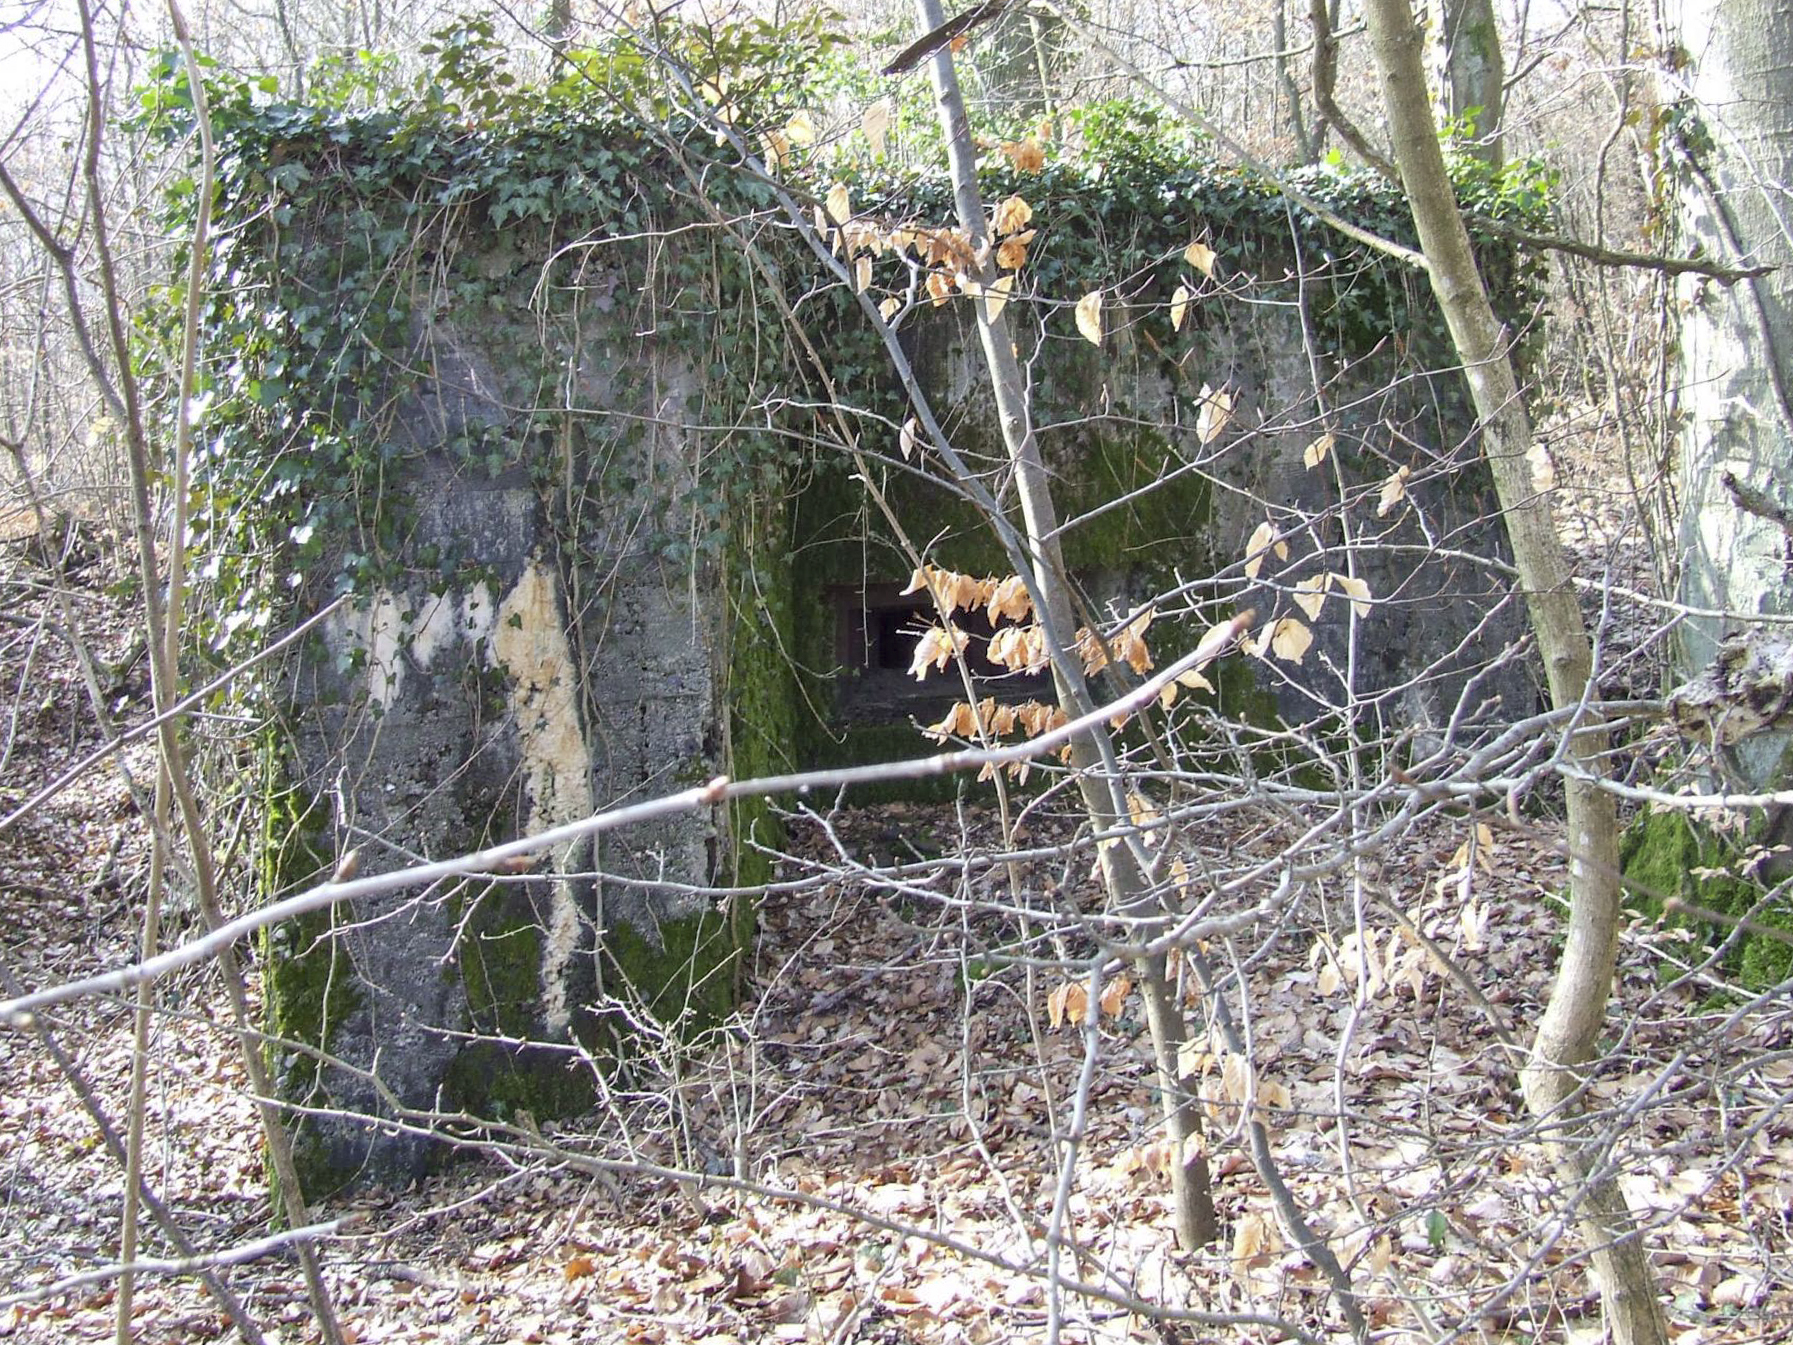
(1009, 599)
(1010, 216)
(1114, 996)
(907, 439)
(1216, 413)
(936, 648)
(1394, 490)
(862, 275)
(801, 129)
(876, 125)
(996, 296)
(840, 203)
(1262, 538)
(1318, 450)
(775, 149)
(577, 1268)
(939, 287)
(1310, 595)
(889, 308)
(1179, 307)
(1089, 317)
(1290, 640)
(1067, 1004)
(1355, 589)
(1201, 257)
(1011, 254)
(1253, 1238)
(1026, 156)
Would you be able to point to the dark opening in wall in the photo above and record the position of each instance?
(876, 629)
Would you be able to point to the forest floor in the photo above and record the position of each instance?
(886, 1062)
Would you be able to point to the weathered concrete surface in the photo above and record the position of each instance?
(577, 673)
(1439, 617)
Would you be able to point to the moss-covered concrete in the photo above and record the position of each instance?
(1666, 855)
(309, 988)
(684, 973)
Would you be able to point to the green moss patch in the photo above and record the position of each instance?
(1666, 855)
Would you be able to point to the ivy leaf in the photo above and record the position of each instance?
(1089, 317)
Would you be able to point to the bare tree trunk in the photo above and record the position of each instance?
(1092, 758)
(1471, 71)
(1568, 1036)
(161, 616)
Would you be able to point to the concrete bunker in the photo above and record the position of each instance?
(588, 569)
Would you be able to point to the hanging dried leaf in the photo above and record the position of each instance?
(1543, 469)
(959, 722)
(801, 129)
(939, 287)
(1089, 317)
(1290, 640)
(1010, 216)
(907, 440)
(936, 649)
(1179, 307)
(862, 275)
(1114, 996)
(1067, 1004)
(840, 203)
(996, 296)
(1091, 650)
(1009, 599)
(1394, 490)
(775, 148)
(1011, 254)
(1356, 590)
(1201, 257)
(1310, 595)
(1317, 451)
(1129, 644)
(1215, 415)
(890, 307)
(1025, 156)
(1215, 640)
(1262, 538)
(876, 125)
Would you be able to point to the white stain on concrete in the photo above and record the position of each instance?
(529, 640)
